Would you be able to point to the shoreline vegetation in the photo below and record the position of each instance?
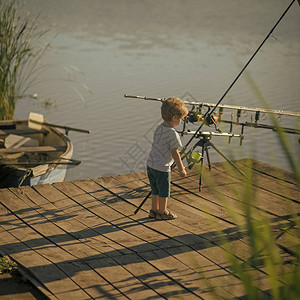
(281, 264)
(283, 274)
(22, 48)
(19, 55)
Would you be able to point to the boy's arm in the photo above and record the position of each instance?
(176, 156)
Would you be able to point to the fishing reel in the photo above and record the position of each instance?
(211, 119)
(196, 116)
(193, 157)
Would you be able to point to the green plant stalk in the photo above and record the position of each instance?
(18, 56)
(283, 284)
(281, 135)
(282, 281)
(273, 259)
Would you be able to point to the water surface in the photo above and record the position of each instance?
(189, 49)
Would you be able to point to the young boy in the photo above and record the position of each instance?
(162, 155)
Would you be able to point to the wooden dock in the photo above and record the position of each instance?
(81, 239)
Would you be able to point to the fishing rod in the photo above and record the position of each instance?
(207, 117)
(208, 114)
(222, 106)
(195, 116)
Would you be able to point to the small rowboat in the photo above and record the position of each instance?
(33, 154)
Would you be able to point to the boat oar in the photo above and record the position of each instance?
(36, 121)
(71, 163)
(60, 161)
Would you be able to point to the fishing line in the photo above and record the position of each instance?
(208, 114)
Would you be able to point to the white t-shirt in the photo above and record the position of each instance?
(165, 139)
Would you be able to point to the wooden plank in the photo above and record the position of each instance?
(80, 277)
(163, 285)
(90, 280)
(63, 186)
(267, 210)
(208, 236)
(262, 199)
(205, 202)
(60, 256)
(175, 269)
(121, 279)
(123, 209)
(11, 123)
(90, 235)
(265, 201)
(183, 221)
(14, 243)
(188, 238)
(142, 228)
(270, 171)
(276, 183)
(169, 227)
(239, 245)
(195, 214)
(216, 280)
(122, 236)
(74, 191)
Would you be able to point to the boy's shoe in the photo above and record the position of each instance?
(167, 215)
(152, 214)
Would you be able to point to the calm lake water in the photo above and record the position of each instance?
(193, 49)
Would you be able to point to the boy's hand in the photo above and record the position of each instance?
(176, 156)
(182, 173)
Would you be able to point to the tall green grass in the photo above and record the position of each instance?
(278, 264)
(19, 55)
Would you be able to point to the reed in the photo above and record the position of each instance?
(19, 55)
(280, 265)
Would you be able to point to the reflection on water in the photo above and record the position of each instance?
(160, 49)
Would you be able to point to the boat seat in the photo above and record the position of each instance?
(39, 149)
(5, 132)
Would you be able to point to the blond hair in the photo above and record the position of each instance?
(173, 107)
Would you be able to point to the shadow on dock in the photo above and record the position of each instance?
(81, 239)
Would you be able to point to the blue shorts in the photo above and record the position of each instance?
(159, 182)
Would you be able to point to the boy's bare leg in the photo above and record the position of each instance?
(163, 202)
(155, 203)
